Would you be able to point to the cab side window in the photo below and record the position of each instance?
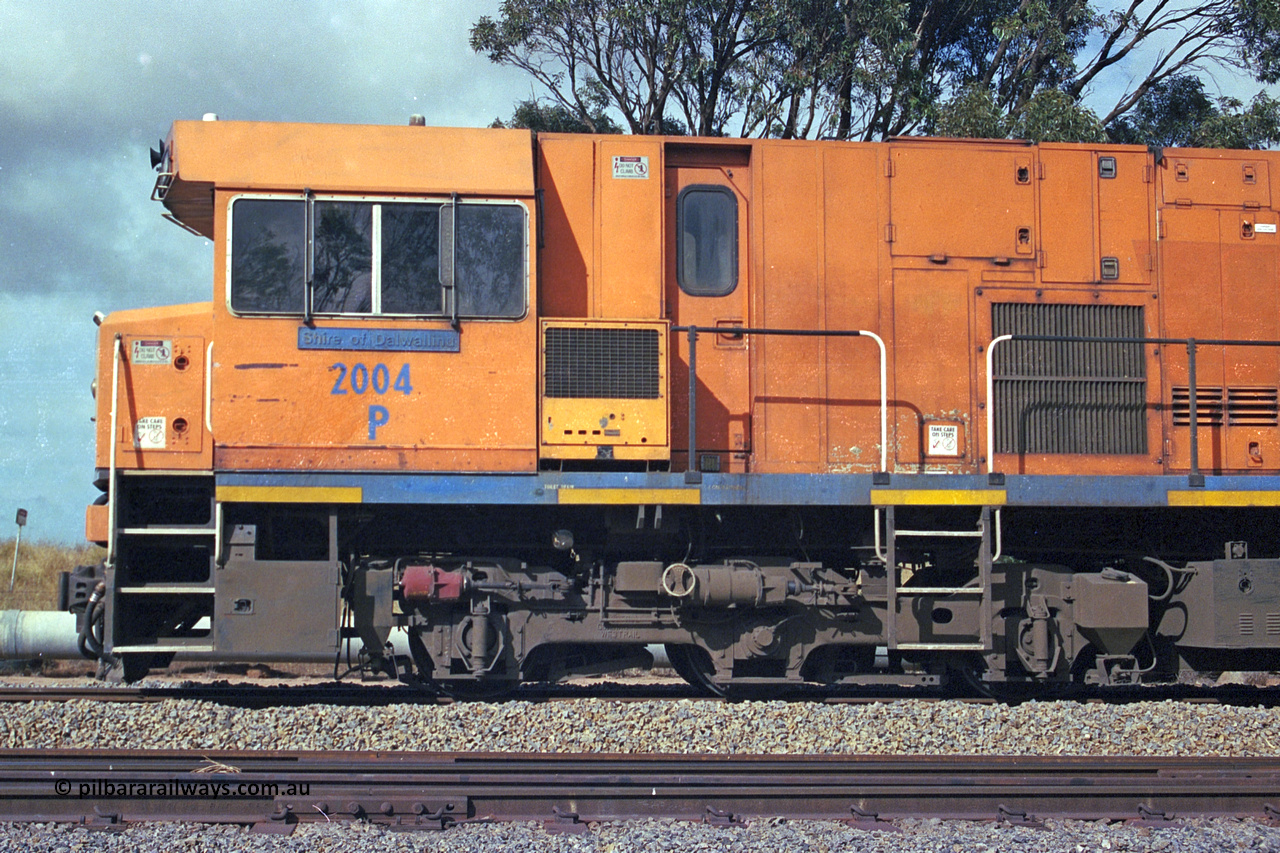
(707, 240)
(343, 273)
(267, 264)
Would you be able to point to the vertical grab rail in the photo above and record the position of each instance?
(115, 440)
(692, 470)
(208, 390)
(692, 474)
(991, 401)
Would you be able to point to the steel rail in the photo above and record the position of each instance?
(260, 696)
(436, 790)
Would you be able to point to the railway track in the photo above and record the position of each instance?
(277, 790)
(380, 695)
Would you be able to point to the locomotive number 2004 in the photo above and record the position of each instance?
(362, 378)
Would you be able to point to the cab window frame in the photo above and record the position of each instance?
(688, 279)
(296, 295)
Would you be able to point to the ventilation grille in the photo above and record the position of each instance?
(1208, 406)
(1245, 406)
(1246, 624)
(1053, 397)
(587, 363)
(1273, 624)
(1256, 407)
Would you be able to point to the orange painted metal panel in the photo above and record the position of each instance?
(1250, 311)
(971, 201)
(97, 523)
(354, 457)
(1219, 276)
(160, 419)
(790, 392)
(932, 370)
(1067, 220)
(851, 249)
(1124, 216)
(1228, 178)
(566, 176)
(1191, 302)
(724, 373)
(629, 182)
(473, 409)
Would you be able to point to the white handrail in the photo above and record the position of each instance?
(991, 400)
(208, 389)
(884, 400)
(115, 439)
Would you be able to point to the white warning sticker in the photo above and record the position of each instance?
(151, 352)
(149, 433)
(1265, 228)
(944, 440)
(631, 168)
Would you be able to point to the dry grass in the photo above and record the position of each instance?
(36, 584)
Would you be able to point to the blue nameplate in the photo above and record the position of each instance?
(380, 340)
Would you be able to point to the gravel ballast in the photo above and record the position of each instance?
(685, 726)
(909, 836)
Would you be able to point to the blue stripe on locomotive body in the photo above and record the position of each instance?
(1089, 491)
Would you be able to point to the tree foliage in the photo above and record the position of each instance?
(872, 69)
(1179, 113)
(544, 117)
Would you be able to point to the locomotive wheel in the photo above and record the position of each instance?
(693, 664)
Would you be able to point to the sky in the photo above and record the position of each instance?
(86, 87)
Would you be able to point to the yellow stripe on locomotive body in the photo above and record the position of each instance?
(291, 494)
(1224, 498)
(938, 497)
(629, 496)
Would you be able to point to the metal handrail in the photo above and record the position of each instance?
(692, 474)
(1195, 477)
(112, 498)
(208, 390)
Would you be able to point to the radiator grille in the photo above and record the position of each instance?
(1080, 397)
(584, 363)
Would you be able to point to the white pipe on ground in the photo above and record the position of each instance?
(29, 634)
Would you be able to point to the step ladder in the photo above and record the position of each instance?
(988, 527)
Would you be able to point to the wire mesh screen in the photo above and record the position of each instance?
(601, 363)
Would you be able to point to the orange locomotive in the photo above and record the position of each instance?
(539, 401)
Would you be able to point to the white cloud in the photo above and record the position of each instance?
(85, 89)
